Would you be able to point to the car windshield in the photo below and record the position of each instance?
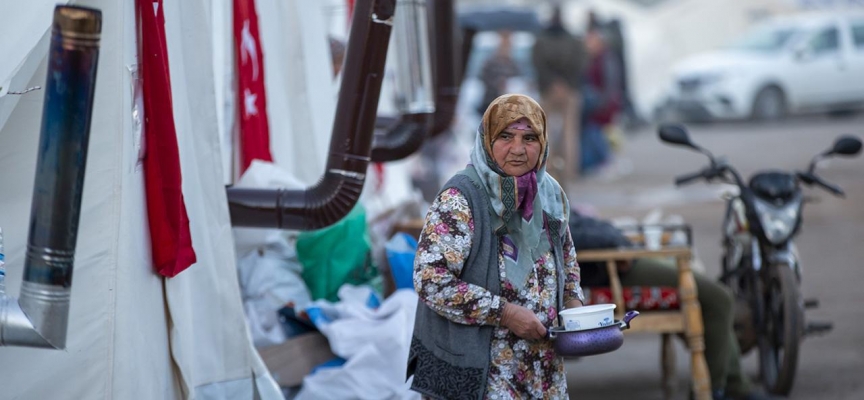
(767, 39)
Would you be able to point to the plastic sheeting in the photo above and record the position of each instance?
(375, 343)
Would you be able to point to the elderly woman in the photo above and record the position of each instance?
(495, 265)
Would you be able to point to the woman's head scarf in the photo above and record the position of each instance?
(540, 193)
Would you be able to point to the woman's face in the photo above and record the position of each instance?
(516, 151)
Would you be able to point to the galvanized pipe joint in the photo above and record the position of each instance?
(39, 318)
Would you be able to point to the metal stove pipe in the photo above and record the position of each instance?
(405, 135)
(329, 200)
(39, 318)
(445, 56)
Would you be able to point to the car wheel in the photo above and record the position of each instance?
(770, 104)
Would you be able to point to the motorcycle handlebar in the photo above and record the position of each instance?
(830, 187)
(811, 179)
(685, 179)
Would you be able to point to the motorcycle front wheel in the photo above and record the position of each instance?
(779, 343)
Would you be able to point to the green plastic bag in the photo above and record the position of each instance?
(336, 255)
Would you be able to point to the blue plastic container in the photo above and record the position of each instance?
(401, 249)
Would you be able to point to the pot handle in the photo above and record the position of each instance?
(550, 334)
(625, 324)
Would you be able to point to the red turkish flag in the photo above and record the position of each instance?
(254, 132)
(170, 238)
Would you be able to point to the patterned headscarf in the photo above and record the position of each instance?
(508, 109)
(501, 187)
(522, 232)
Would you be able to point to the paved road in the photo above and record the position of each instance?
(831, 244)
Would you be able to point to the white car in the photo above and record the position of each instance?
(783, 66)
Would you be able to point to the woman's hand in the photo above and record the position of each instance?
(572, 304)
(522, 322)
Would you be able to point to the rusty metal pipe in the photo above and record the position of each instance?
(336, 193)
(39, 318)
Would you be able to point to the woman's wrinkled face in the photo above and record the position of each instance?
(516, 151)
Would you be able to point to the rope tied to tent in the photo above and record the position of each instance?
(23, 91)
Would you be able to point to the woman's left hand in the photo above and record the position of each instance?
(573, 304)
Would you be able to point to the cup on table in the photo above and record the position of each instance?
(653, 237)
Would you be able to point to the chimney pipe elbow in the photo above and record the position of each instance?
(403, 138)
(16, 329)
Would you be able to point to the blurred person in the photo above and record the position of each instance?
(617, 45)
(559, 59)
(613, 34)
(602, 97)
(721, 346)
(494, 266)
(497, 70)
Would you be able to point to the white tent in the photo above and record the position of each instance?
(132, 334)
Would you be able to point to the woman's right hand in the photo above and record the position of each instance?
(522, 322)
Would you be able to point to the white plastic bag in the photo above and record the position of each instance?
(375, 343)
(269, 280)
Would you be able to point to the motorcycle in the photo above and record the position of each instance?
(760, 263)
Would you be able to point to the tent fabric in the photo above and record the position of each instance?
(29, 20)
(223, 73)
(209, 340)
(301, 95)
(132, 334)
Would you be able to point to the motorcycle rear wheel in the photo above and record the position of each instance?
(778, 345)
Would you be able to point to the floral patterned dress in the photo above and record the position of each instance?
(519, 368)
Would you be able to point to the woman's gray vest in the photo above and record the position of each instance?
(450, 360)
